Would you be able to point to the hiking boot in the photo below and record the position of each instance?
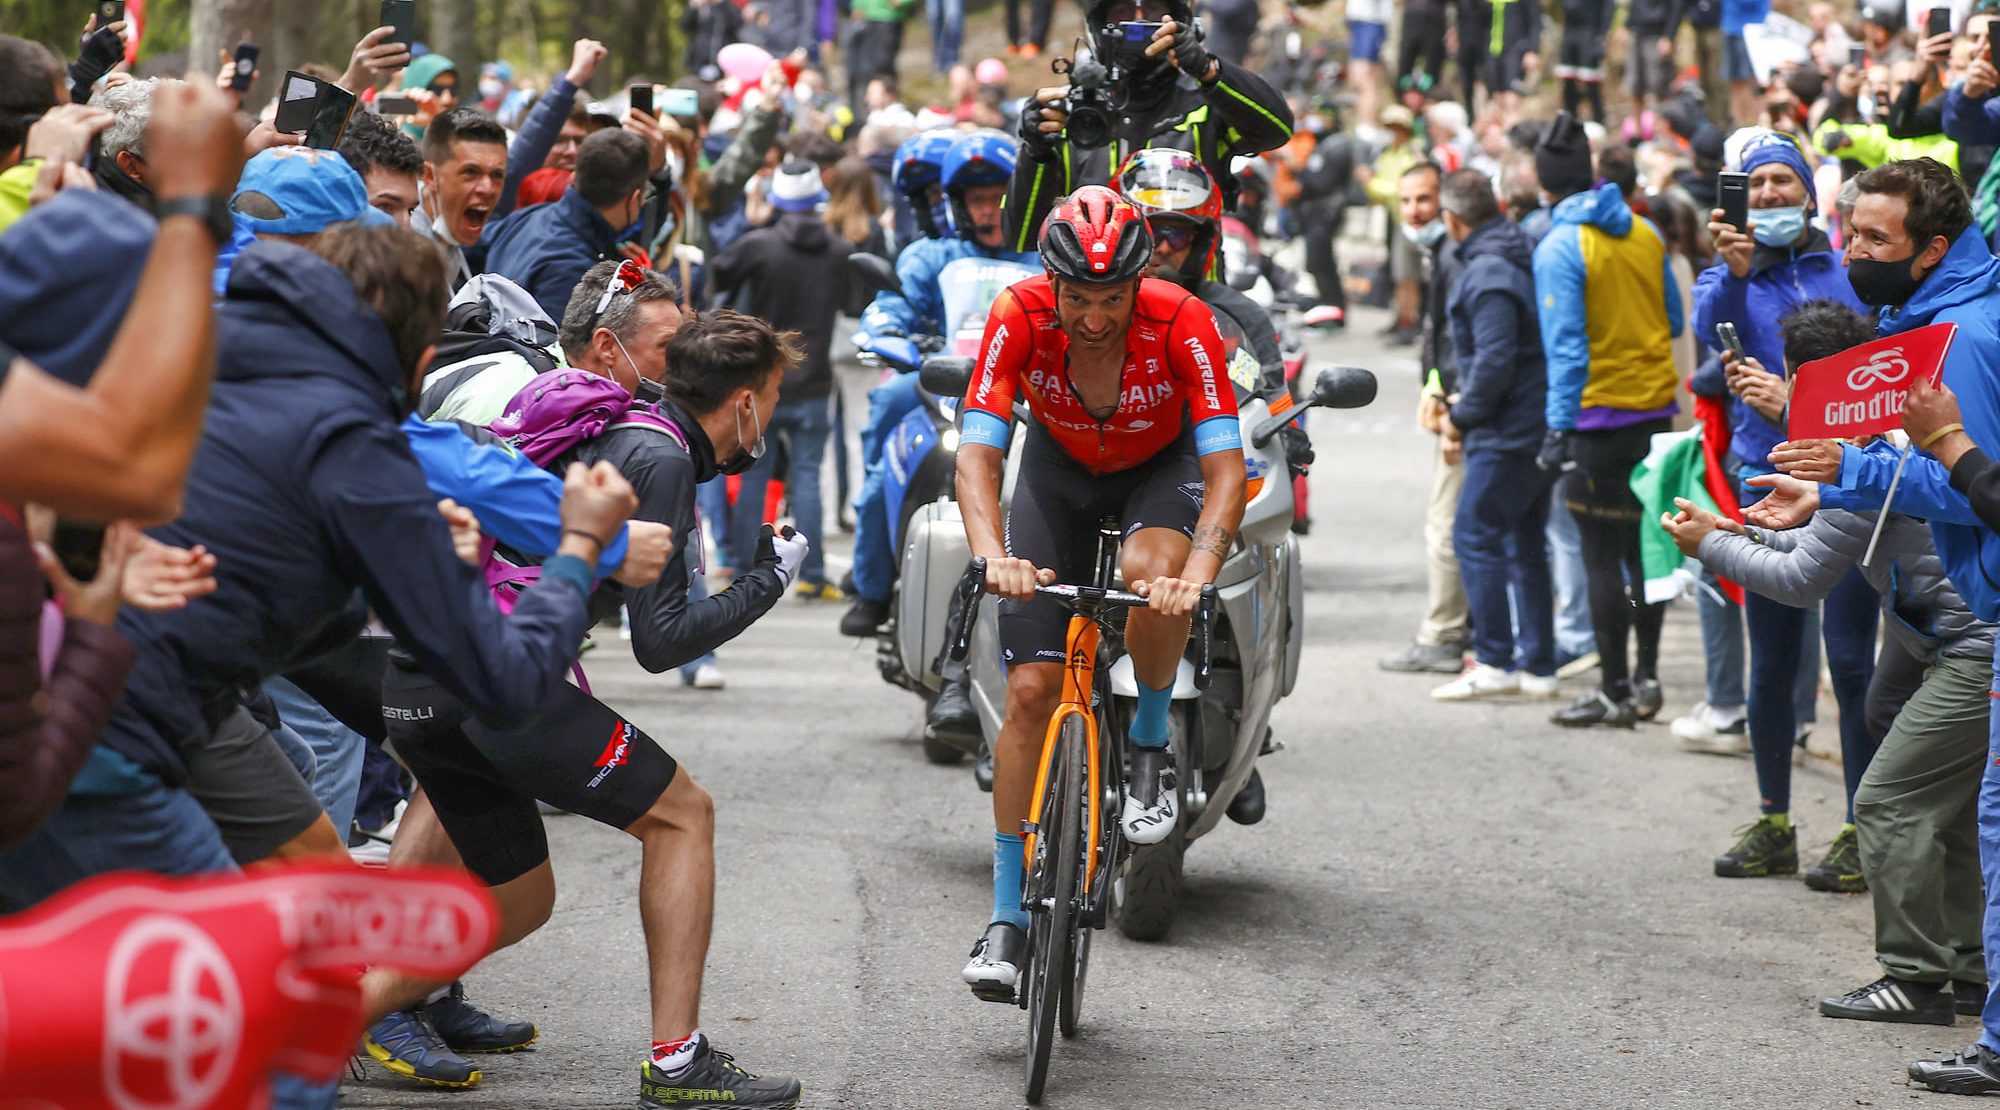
(1976, 1071)
(864, 618)
(1152, 806)
(952, 719)
(714, 1081)
(1597, 708)
(1648, 698)
(1426, 659)
(1893, 999)
(1840, 871)
(1762, 848)
(1968, 997)
(406, 1044)
(466, 1028)
(996, 962)
(1481, 681)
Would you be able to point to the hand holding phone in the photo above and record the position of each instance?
(1732, 346)
(685, 103)
(641, 97)
(109, 12)
(1938, 22)
(246, 66)
(1732, 193)
(402, 15)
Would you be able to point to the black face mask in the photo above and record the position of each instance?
(1881, 284)
(746, 456)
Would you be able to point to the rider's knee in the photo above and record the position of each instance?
(1146, 564)
(1034, 690)
(683, 808)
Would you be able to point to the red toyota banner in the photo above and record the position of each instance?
(1860, 391)
(132, 992)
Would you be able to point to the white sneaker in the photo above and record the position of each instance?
(1580, 666)
(1481, 681)
(1706, 730)
(1149, 822)
(708, 676)
(1535, 686)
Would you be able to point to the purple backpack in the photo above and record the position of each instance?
(560, 409)
(548, 418)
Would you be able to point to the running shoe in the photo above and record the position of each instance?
(1648, 698)
(406, 1044)
(818, 591)
(995, 967)
(1840, 871)
(712, 1082)
(1426, 659)
(1576, 666)
(1893, 999)
(708, 676)
(1762, 848)
(1976, 1071)
(1481, 681)
(467, 1028)
(1713, 731)
(1538, 686)
(1152, 806)
(1597, 708)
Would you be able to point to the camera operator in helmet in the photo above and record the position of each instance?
(1147, 81)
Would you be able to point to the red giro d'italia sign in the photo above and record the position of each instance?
(1860, 391)
(136, 993)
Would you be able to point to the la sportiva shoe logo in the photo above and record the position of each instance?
(616, 752)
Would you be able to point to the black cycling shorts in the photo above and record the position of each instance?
(575, 754)
(1053, 524)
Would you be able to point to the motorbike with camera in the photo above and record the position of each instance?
(1255, 642)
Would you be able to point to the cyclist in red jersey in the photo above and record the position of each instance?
(1134, 418)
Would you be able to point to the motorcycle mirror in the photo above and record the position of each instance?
(1344, 387)
(876, 272)
(945, 375)
(1243, 280)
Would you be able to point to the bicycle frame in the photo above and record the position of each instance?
(1079, 686)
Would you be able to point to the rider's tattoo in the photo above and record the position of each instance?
(1213, 539)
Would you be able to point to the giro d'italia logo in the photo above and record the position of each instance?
(173, 1017)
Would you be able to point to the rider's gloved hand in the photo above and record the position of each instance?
(1298, 448)
(1555, 455)
(782, 553)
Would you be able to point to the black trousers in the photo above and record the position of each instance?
(1599, 495)
(1039, 13)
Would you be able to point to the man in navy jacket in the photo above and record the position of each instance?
(548, 248)
(308, 494)
(1499, 532)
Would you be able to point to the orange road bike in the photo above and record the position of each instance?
(1072, 847)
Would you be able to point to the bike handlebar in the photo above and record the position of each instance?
(1089, 600)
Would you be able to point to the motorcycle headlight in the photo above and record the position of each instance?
(950, 440)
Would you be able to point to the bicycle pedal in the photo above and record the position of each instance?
(995, 994)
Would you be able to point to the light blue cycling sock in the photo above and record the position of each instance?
(1007, 866)
(1149, 725)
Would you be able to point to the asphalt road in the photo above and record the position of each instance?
(1448, 906)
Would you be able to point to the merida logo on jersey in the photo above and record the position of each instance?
(1201, 361)
(993, 349)
(615, 753)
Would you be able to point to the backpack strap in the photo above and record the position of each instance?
(640, 418)
(434, 397)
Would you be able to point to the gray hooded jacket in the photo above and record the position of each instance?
(1799, 566)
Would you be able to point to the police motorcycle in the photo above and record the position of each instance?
(920, 452)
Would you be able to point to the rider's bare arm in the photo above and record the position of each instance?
(1221, 512)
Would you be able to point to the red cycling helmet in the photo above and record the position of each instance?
(1096, 237)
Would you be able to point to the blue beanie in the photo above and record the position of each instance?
(1772, 147)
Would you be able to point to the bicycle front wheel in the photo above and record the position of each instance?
(1057, 884)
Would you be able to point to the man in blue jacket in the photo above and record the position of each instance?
(1499, 531)
(1917, 257)
(548, 248)
(305, 490)
(1760, 277)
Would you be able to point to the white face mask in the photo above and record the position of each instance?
(1429, 235)
(649, 390)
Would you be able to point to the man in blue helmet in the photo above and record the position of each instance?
(917, 177)
(974, 176)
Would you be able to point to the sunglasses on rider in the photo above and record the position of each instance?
(1173, 237)
(630, 276)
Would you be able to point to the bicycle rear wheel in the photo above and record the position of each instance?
(1056, 883)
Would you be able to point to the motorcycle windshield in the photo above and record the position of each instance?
(1244, 372)
(969, 286)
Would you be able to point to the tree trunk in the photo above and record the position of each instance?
(455, 34)
(216, 26)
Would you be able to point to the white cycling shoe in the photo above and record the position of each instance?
(1152, 797)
